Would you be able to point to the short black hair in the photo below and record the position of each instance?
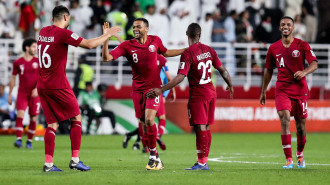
(287, 17)
(88, 83)
(145, 21)
(194, 30)
(102, 87)
(60, 10)
(28, 42)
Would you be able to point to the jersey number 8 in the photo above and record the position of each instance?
(43, 56)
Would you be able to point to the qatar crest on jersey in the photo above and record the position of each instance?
(295, 53)
(152, 48)
(35, 65)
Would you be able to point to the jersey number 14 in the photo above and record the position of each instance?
(43, 56)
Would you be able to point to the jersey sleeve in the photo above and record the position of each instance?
(162, 60)
(15, 68)
(308, 52)
(184, 65)
(216, 61)
(118, 51)
(270, 60)
(161, 48)
(71, 38)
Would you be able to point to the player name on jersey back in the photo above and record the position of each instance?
(203, 56)
(45, 39)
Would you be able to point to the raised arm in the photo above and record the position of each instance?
(106, 56)
(93, 43)
(12, 83)
(174, 52)
(267, 77)
(226, 77)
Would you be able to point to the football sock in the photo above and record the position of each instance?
(19, 128)
(32, 130)
(161, 127)
(202, 146)
(75, 159)
(152, 143)
(49, 144)
(209, 136)
(75, 136)
(286, 144)
(143, 136)
(301, 140)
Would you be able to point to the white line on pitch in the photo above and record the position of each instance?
(254, 162)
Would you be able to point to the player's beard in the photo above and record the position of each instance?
(31, 53)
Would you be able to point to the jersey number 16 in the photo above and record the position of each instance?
(43, 56)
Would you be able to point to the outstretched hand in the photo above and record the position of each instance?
(110, 31)
(153, 93)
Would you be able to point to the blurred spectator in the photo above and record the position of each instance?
(244, 29)
(133, 12)
(293, 8)
(208, 6)
(229, 24)
(161, 4)
(237, 5)
(4, 106)
(83, 75)
(179, 14)
(92, 103)
(310, 20)
(80, 17)
(144, 3)
(27, 18)
(118, 18)
(230, 36)
(218, 29)
(7, 28)
(253, 6)
(264, 30)
(299, 28)
(97, 20)
(207, 24)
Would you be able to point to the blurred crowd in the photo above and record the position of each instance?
(221, 20)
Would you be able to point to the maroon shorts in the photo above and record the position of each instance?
(161, 111)
(25, 99)
(297, 107)
(201, 111)
(141, 103)
(58, 104)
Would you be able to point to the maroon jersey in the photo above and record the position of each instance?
(53, 45)
(288, 61)
(196, 63)
(27, 72)
(143, 60)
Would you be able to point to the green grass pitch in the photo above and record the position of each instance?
(234, 159)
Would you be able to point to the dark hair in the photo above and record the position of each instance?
(287, 17)
(88, 84)
(60, 10)
(102, 87)
(233, 12)
(145, 21)
(194, 30)
(28, 42)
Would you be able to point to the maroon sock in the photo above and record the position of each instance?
(32, 130)
(152, 134)
(19, 128)
(161, 127)
(301, 140)
(49, 144)
(286, 144)
(209, 136)
(75, 136)
(202, 141)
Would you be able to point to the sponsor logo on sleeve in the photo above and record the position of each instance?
(74, 36)
(181, 65)
(313, 54)
(295, 53)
